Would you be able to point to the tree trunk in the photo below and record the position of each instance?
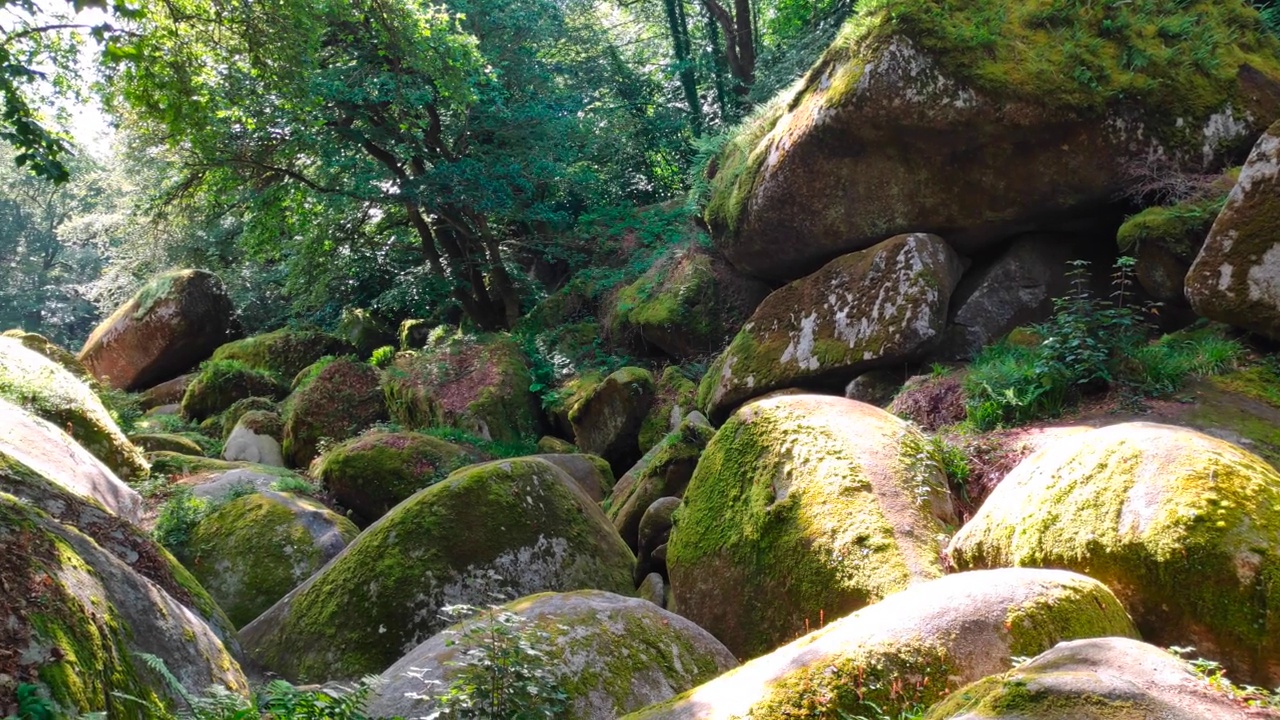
(679, 27)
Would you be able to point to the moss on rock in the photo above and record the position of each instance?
(511, 526)
(222, 383)
(1180, 525)
(231, 416)
(341, 400)
(283, 352)
(155, 442)
(252, 551)
(674, 396)
(364, 331)
(664, 471)
(377, 471)
(479, 384)
(53, 351)
(805, 505)
(606, 421)
(46, 389)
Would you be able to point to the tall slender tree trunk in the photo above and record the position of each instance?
(728, 112)
(679, 27)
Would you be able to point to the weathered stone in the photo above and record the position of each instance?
(337, 402)
(166, 442)
(364, 332)
(53, 351)
(655, 531)
(663, 471)
(256, 439)
(674, 397)
(606, 422)
(591, 473)
(222, 383)
(169, 392)
(654, 589)
(285, 352)
(611, 654)
(872, 309)
(804, 504)
(875, 387)
(174, 322)
(375, 472)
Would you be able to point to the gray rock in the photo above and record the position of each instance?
(876, 387)
(245, 445)
(654, 589)
(655, 530)
(592, 473)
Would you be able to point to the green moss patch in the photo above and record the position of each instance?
(344, 398)
(375, 472)
(221, 383)
(283, 352)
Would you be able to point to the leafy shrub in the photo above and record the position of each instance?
(383, 356)
(178, 518)
(295, 485)
(125, 407)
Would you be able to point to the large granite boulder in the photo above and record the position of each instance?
(910, 649)
(284, 353)
(48, 390)
(1185, 528)
(375, 472)
(53, 351)
(222, 383)
(880, 307)
(338, 401)
(982, 120)
(256, 439)
(804, 505)
(610, 655)
(175, 321)
(606, 421)
(510, 527)
(1236, 277)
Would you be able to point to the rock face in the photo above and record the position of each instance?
(1096, 679)
(869, 309)
(910, 649)
(1236, 277)
(804, 504)
(689, 303)
(613, 655)
(284, 352)
(655, 532)
(905, 125)
(256, 439)
(591, 473)
(53, 351)
(73, 616)
(45, 449)
(513, 527)
(169, 392)
(663, 471)
(252, 551)
(377, 471)
(48, 390)
(222, 383)
(476, 384)
(1183, 527)
(364, 331)
(674, 397)
(342, 399)
(607, 420)
(174, 322)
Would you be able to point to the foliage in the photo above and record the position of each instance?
(125, 407)
(382, 356)
(493, 448)
(182, 511)
(1089, 344)
(502, 671)
(1214, 674)
(294, 485)
(32, 705)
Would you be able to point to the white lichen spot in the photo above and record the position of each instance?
(910, 77)
(1264, 278)
(800, 350)
(1221, 129)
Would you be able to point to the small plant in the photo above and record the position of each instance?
(502, 673)
(295, 485)
(124, 407)
(178, 518)
(32, 705)
(1214, 674)
(383, 356)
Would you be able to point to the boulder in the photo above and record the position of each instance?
(654, 589)
(804, 504)
(363, 331)
(175, 321)
(48, 451)
(169, 392)
(607, 420)
(74, 618)
(569, 396)
(1236, 277)
(180, 466)
(663, 471)
(591, 473)
(284, 353)
(217, 484)
(674, 396)
(872, 309)
(931, 401)
(167, 442)
(252, 551)
(612, 655)
(256, 439)
(1110, 678)
(906, 124)
(339, 401)
(910, 649)
(50, 391)
(1017, 288)
(550, 445)
(510, 527)
(875, 387)
(476, 384)
(414, 334)
(689, 302)
(230, 417)
(1182, 526)
(654, 532)
(53, 351)
(222, 383)
(375, 472)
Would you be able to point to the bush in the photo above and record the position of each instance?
(383, 356)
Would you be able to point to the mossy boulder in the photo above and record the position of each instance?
(568, 396)
(285, 352)
(414, 334)
(1182, 526)
(1096, 679)
(364, 331)
(931, 401)
(509, 527)
(169, 442)
(674, 396)
(551, 445)
(53, 351)
(221, 383)
(230, 417)
(664, 471)
(654, 532)
(240, 477)
(984, 119)
(479, 384)
(877, 308)
(252, 551)
(592, 473)
(169, 392)
(175, 321)
(256, 439)
(74, 616)
(607, 420)
(610, 654)
(337, 403)
(179, 466)
(377, 471)
(1236, 277)
(805, 505)
(910, 649)
(689, 303)
(48, 390)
